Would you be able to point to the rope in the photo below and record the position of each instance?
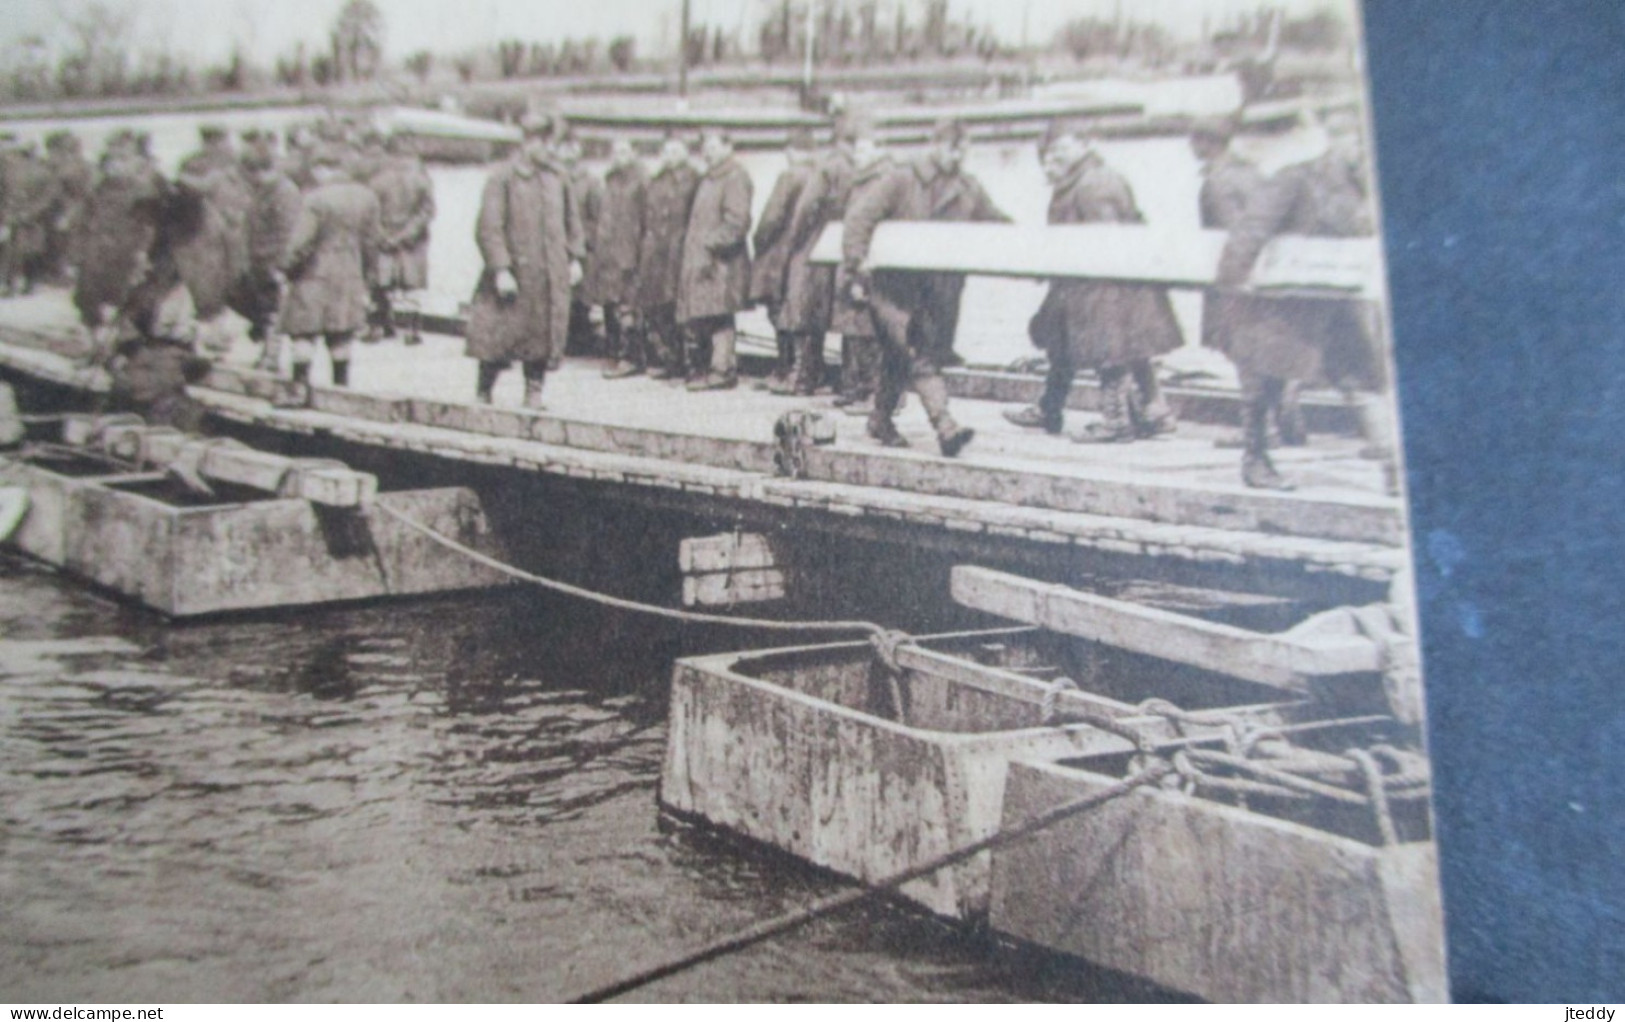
(882, 637)
(824, 906)
(1051, 695)
(1377, 793)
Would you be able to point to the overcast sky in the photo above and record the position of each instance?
(206, 29)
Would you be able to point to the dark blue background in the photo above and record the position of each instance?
(1501, 148)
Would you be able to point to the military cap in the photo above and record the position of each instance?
(212, 132)
(951, 131)
(1220, 129)
(257, 160)
(851, 126)
(541, 125)
(328, 156)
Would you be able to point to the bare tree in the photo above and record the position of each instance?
(95, 60)
(421, 64)
(358, 40)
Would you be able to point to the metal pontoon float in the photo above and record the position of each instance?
(252, 531)
(1292, 861)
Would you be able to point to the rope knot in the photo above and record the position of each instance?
(1052, 695)
(886, 643)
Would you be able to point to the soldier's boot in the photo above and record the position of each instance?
(270, 359)
(535, 377)
(882, 409)
(1257, 471)
(951, 436)
(301, 372)
(1289, 417)
(1116, 425)
(341, 372)
(778, 381)
(488, 373)
(849, 372)
(809, 364)
(1153, 415)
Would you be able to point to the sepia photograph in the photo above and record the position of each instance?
(703, 501)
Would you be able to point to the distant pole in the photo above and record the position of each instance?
(807, 61)
(682, 55)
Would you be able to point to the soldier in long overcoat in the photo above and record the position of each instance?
(588, 189)
(271, 221)
(715, 278)
(809, 290)
(1275, 340)
(612, 271)
(406, 209)
(860, 350)
(330, 261)
(118, 226)
(772, 251)
(915, 314)
(1113, 328)
(65, 157)
(203, 248)
(530, 236)
(215, 168)
(1229, 182)
(667, 202)
(31, 196)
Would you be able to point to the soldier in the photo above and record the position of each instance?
(860, 351)
(915, 314)
(772, 244)
(612, 271)
(715, 273)
(65, 158)
(530, 236)
(589, 196)
(260, 145)
(205, 251)
(31, 197)
(669, 198)
(329, 261)
(1229, 182)
(406, 208)
(273, 214)
(1274, 340)
(369, 156)
(216, 152)
(119, 223)
(300, 142)
(809, 290)
(216, 172)
(1114, 328)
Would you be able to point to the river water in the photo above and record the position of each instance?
(448, 799)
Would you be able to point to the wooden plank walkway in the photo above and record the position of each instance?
(1178, 497)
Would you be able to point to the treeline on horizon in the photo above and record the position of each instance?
(91, 53)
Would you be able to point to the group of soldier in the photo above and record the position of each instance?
(42, 198)
(310, 242)
(313, 242)
(667, 257)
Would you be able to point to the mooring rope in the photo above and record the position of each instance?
(886, 641)
(759, 932)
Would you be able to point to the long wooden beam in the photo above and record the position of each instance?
(1126, 253)
(321, 483)
(1284, 661)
